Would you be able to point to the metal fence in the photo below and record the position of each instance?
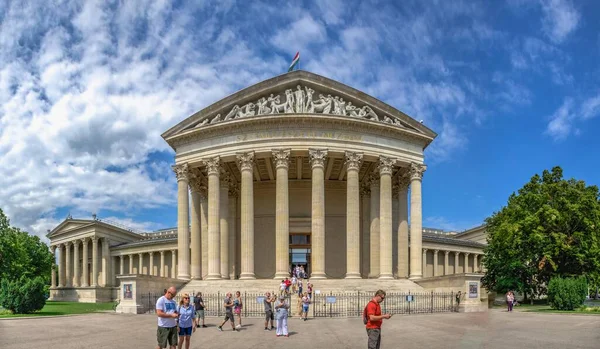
(326, 304)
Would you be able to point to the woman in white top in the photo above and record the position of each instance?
(281, 311)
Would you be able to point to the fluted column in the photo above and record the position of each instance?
(213, 167)
(365, 193)
(403, 183)
(106, 272)
(76, 273)
(183, 230)
(204, 227)
(446, 262)
(467, 262)
(386, 165)
(131, 264)
(233, 195)
(424, 262)
(374, 228)
(224, 223)
(94, 261)
(353, 162)
(317, 161)
(246, 165)
(140, 263)
(435, 262)
(195, 230)
(151, 263)
(121, 264)
(475, 268)
(61, 265)
(416, 220)
(53, 275)
(68, 276)
(84, 263)
(162, 264)
(173, 263)
(456, 262)
(282, 213)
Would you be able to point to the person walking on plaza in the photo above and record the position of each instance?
(166, 311)
(199, 306)
(305, 304)
(374, 319)
(510, 298)
(281, 310)
(237, 308)
(187, 321)
(228, 304)
(268, 302)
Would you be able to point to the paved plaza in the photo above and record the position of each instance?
(495, 329)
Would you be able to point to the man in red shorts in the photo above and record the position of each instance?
(374, 319)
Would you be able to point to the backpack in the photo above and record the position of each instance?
(365, 316)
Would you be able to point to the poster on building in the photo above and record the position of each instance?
(473, 289)
(127, 293)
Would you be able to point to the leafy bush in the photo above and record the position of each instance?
(23, 296)
(568, 293)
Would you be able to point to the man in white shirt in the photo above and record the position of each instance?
(166, 310)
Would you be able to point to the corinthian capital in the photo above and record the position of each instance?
(317, 157)
(417, 170)
(353, 160)
(246, 161)
(374, 178)
(386, 165)
(281, 157)
(403, 181)
(225, 179)
(181, 172)
(213, 165)
(196, 185)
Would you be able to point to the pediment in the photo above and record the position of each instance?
(69, 224)
(299, 92)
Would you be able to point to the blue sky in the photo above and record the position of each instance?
(86, 89)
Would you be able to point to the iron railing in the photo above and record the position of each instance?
(326, 304)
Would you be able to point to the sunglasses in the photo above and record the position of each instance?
(186, 297)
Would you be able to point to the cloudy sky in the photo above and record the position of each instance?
(86, 89)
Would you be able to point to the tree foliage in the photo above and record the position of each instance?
(551, 227)
(567, 293)
(23, 296)
(22, 255)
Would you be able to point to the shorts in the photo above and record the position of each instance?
(269, 315)
(237, 310)
(166, 334)
(185, 331)
(229, 316)
(200, 313)
(305, 308)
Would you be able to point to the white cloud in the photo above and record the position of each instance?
(300, 34)
(560, 18)
(567, 118)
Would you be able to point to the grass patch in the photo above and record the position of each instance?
(548, 309)
(62, 308)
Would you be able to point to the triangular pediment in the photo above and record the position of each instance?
(300, 92)
(68, 225)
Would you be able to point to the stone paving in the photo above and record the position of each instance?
(495, 329)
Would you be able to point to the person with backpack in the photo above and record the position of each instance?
(186, 321)
(373, 319)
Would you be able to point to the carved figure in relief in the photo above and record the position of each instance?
(262, 106)
(387, 119)
(328, 105)
(367, 113)
(233, 113)
(299, 99)
(216, 119)
(276, 105)
(397, 122)
(309, 107)
(204, 122)
(289, 101)
(351, 110)
(247, 110)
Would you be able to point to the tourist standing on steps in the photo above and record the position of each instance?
(186, 321)
(228, 304)
(300, 287)
(166, 311)
(281, 311)
(199, 306)
(375, 319)
(268, 302)
(237, 308)
(309, 289)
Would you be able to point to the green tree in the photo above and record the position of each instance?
(551, 227)
(22, 255)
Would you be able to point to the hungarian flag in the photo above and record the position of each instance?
(294, 61)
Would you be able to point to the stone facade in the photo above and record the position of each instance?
(295, 169)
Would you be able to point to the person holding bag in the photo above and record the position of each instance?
(186, 321)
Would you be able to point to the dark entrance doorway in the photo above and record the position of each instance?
(300, 251)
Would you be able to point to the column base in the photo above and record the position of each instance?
(213, 277)
(386, 277)
(247, 276)
(281, 275)
(415, 277)
(353, 276)
(224, 277)
(183, 276)
(318, 276)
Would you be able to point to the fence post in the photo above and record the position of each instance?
(244, 304)
(432, 301)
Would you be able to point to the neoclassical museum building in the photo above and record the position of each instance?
(295, 170)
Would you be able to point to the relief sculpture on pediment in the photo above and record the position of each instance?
(301, 101)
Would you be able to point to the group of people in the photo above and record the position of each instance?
(511, 301)
(181, 320)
